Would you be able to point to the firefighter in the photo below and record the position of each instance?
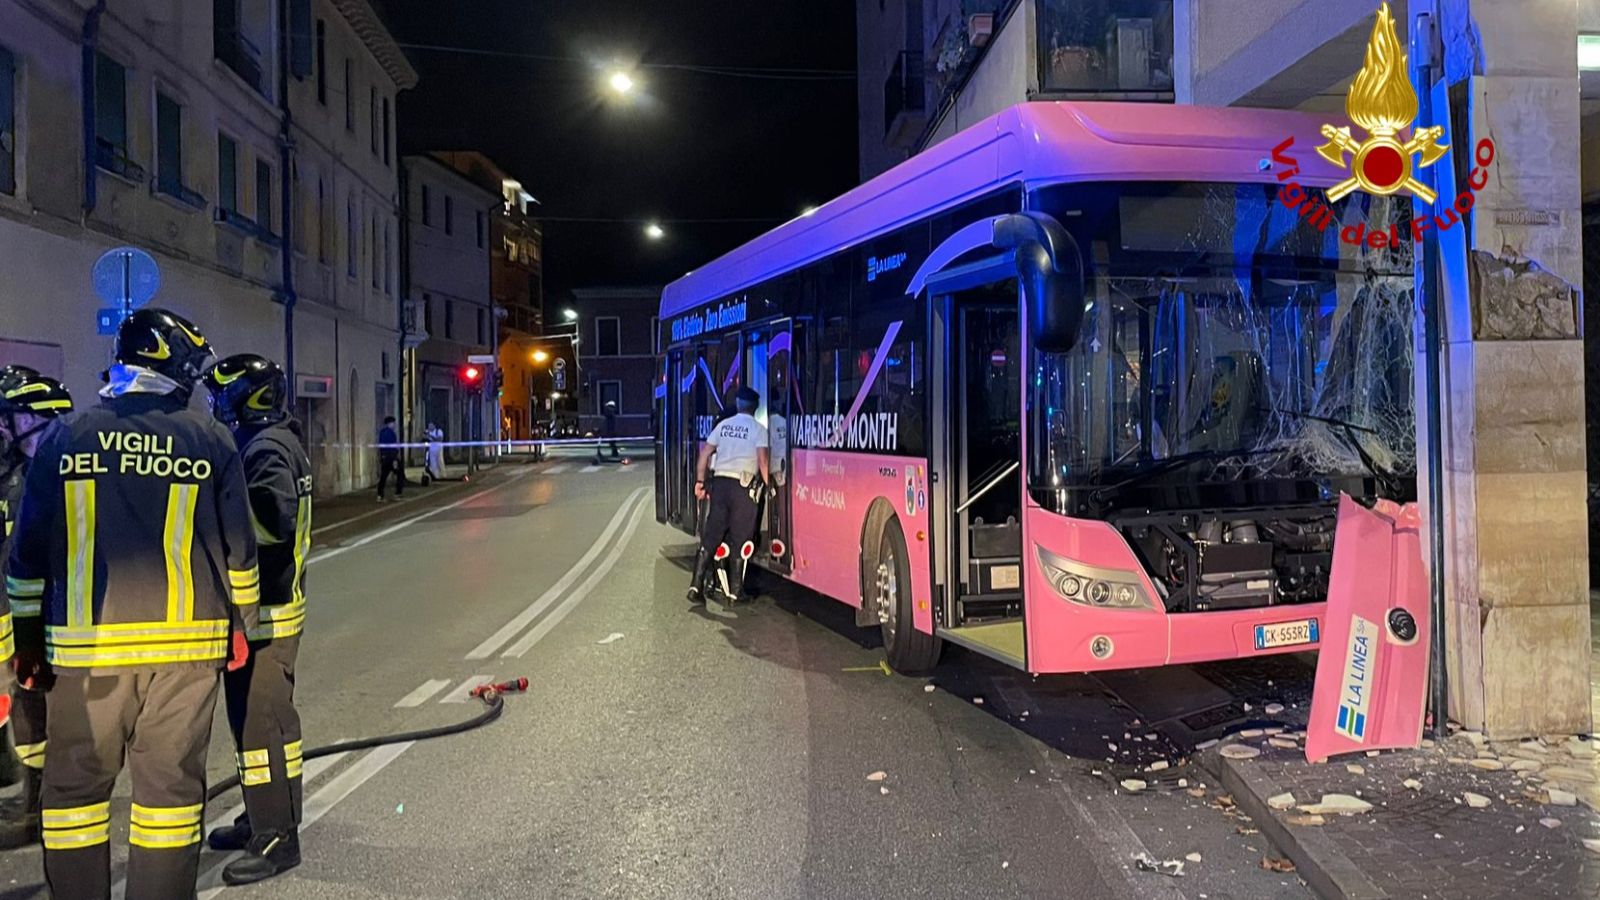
(134, 535)
(249, 394)
(740, 445)
(29, 402)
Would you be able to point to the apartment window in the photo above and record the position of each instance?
(324, 232)
(483, 229)
(607, 392)
(449, 215)
(450, 318)
(263, 194)
(8, 122)
(427, 206)
(388, 259)
(111, 116)
(243, 39)
(349, 95)
(352, 237)
(227, 174)
(386, 131)
(483, 326)
(607, 336)
(372, 116)
(169, 144)
(372, 238)
(322, 62)
(427, 313)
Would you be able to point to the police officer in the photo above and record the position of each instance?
(28, 403)
(135, 535)
(249, 394)
(739, 443)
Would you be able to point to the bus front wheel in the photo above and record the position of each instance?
(909, 651)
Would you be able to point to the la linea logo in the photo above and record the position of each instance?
(1384, 104)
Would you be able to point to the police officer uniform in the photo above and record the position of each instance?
(738, 476)
(135, 536)
(249, 394)
(24, 391)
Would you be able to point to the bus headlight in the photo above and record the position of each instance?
(1091, 586)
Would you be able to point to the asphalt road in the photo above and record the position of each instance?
(664, 752)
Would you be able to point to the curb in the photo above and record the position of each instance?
(1328, 872)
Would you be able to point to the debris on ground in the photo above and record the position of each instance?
(883, 790)
(1192, 857)
(1337, 804)
(1411, 784)
(1276, 864)
(1133, 785)
(1592, 844)
(1558, 797)
(1159, 765)
(1476, 801)
(1283, 743)
(878, 775)
(1240, 751)
(1550, 822)
(1272, 709)
(1172, 868)
(928, 689)
(1354, 769)
(1281, 801)
(611, 638)
(1312, 821)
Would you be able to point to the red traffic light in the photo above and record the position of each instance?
(471, 374)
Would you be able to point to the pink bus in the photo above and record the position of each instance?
(1076, 389)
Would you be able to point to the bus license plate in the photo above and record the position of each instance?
(1286, 634)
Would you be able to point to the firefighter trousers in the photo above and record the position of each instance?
(27, 725)
(160, 723)
(266, 734)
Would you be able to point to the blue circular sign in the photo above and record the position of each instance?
(126, 275)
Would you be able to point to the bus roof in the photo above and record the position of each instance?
(1031, 143)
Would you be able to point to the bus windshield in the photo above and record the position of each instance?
(1224, 339)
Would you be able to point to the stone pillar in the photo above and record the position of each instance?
(1516, 525)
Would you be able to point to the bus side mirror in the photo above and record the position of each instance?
(1051, 272)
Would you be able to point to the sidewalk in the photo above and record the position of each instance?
(1531, 830)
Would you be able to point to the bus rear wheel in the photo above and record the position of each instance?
(909, 651)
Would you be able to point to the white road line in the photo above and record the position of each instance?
(321, 803)
(587, 469)
(463, 693)
(335, 551)
(582, 591)
(556, 469)
(513, 627)
(424, 691)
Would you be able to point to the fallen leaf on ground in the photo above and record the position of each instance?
(1276, 864)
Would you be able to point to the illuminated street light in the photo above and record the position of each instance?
(807, 211)
(654, 232)
(570, 314)
(540, 356)
(621, 82)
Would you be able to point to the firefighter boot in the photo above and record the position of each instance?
(697, 583)
(267, 855)
(20, 828)
(231, 837)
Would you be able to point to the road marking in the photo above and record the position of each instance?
(513, 627)
(422, 693)
(582, 591)
(587, 469)
(463, 693)
(556, 469)
(385, 532)
(320, 803)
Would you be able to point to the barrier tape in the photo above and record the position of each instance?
(528, 442)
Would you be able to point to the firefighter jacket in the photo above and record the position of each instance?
(134, 532)
(11, 478)
(279, 478)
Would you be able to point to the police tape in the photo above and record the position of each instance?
(519, 442)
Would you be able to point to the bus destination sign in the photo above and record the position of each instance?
(724, 314)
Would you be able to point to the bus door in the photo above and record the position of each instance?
(768, 355)
(977, 459)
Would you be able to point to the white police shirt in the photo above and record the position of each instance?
(736, 440)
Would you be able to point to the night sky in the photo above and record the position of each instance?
(690, 146)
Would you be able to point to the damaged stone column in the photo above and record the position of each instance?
(1517, 591)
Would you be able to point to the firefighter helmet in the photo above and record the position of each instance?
(247, 389)
(23, 390)
(164, 342)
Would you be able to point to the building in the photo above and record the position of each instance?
(447, 287)
(174, 141)
(929, 68)
(516, 281)
(618, 336)
(1518, 477)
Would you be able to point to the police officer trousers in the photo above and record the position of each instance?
(266, 734)
(27, 725)
(731, 519)
(160, 722)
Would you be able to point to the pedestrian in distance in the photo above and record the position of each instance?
(29, 402)
(608, 429)
(135, 538)
(433, 464)
(389, 460)
(737, 478)
(249, 395)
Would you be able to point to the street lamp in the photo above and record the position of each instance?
(654, 232)
(621, 82)
(807, 211)
(540, 356)
(570, 314)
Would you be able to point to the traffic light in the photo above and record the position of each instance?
(472, 377)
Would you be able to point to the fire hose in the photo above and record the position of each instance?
(492, 695)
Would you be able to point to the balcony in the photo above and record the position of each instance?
(905, 101)
(1113, 49)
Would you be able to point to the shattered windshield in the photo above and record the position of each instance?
(1225, 338)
